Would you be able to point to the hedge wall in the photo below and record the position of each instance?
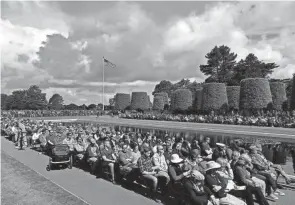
(181, 100)
(158, 103)
(255, 93)
(214, 96)
(279, 96)
(140, 100)
(122, 101)
(233, 96)
(198, 99)
(150, 103)
(165, 97)
(292, 102)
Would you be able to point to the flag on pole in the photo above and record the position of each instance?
(109, 63)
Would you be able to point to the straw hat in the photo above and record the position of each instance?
(176, 159)
(220, 144)
(212, 165)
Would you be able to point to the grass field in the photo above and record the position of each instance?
(20, 185)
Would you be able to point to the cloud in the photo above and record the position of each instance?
(59, 45)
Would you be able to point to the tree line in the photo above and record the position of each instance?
(34, 99)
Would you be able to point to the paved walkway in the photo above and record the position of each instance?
(75, 181)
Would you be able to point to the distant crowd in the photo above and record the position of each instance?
(46, 113)
(271, 119)
(197, 171)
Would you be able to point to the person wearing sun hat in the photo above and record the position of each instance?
(218, 185)
(177, 176)
(197, 192)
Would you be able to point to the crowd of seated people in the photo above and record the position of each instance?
(46, 113)
(194, 172)
(270, 119)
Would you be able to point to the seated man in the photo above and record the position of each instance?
(69, 141)
(148, 172)
(162, 168)
(79, 148)
(92, 154)
(109, 158)
(127, 168)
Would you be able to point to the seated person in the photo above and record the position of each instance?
(126, 165)
(148, 171)
(109, 158)
(162, 167)
(92, 154)
(218, 185)
(197, 191)
(196, 162)
(69, 141)
(206, 150)
(243, 178)
(79, 148)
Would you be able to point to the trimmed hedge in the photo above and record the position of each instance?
(181, 100)
(122, 101)
(233, 96)
(292, 102)
(140, 100)
(214, 96)
(255, 93)
(279, 96)
(165, 97)
(198, 99)
(158, 103)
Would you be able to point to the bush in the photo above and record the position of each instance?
(158, 103)
(198, 99)
(292, 102)
(140, 100)
(233, 96)
(279, 96)
(255, 94)
(122, 101)
(181, 100)
(165, 97)
(214, 97)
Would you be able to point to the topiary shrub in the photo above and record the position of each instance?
(165, 97)
(279, 96)
(122, 101)
(158, 103)
(198, 99)
(182, 100)
(292, 101)
(140, 100)
(233, 96)
(214, 97)
(255, 94)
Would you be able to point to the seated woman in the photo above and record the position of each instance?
(109, 158)
(198, 193)
(92, 154)
(218, 185)
(196, 161)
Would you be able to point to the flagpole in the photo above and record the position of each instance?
(102, 83)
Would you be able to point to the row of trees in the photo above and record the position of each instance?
(34, 99)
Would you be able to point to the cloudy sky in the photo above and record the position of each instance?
(59, 45)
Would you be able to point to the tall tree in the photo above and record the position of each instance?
(252, 67)
(56, 102)
(220, 64)
(163, 86)
(17, 100)
(91, 107)
(35, 99)
(71, 106)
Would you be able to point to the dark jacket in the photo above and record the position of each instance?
(196, 196)
(215, 180)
